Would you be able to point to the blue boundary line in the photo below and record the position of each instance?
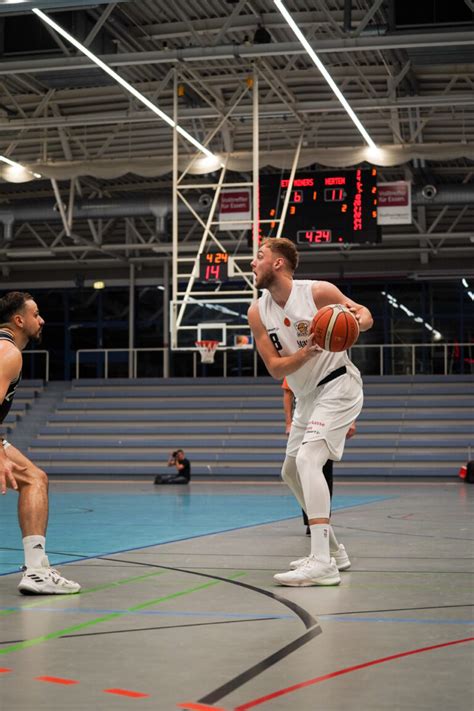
(198, 535)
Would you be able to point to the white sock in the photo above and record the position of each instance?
(320, 541)
(333, 542)
(34, 547)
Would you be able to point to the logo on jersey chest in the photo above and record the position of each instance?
(302, 329)
(302, 332)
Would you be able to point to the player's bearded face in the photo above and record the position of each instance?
(32, 322)
(264, 277)
(263, 269)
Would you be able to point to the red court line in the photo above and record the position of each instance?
(193, 706)
(125, 692)
(347, 670)
(56, 680)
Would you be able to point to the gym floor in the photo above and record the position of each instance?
(179, 608)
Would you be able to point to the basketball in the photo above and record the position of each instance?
(335, 328)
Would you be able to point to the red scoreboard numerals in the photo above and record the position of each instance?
(213, 266)
(315, 236)
(212, 272)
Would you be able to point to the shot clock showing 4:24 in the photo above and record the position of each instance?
(330, 207)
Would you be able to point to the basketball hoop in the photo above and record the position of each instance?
(207, 349)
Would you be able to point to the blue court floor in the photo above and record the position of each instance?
(85, 525)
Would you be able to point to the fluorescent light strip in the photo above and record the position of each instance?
(122, 82)
(14, 164)
(324, 72)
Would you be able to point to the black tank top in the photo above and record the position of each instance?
(7, 401)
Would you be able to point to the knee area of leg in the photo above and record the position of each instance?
(39, 478)
(303, 457)
(312, 454)
(288, 470)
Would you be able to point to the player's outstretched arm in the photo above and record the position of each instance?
(278, 366)
(325, 293)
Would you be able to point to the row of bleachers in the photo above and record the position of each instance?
(25, 396)
(410, 426)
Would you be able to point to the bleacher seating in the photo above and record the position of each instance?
(25, 395)
(410, 426)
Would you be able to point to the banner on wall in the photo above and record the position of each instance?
(394, 203)
(235, 206)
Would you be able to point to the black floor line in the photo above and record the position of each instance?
(260, 667)
(312, 627)
(410, 535)
(307, 619)
(394, 609)
(168, 627)
(149, 629)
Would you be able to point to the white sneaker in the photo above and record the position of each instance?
(342, 559)
(46, 581)
(340, 556)
(311, 572)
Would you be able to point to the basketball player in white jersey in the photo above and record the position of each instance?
(328, 388)
(20, 322)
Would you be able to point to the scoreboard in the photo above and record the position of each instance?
(330, 207)
(213, 267)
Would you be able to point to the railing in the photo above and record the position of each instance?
(372, 359)
(46, 361)
(413, 358)
(132, 353)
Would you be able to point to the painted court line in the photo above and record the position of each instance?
(127, 692)
(403, 620)
(56, 680)
(158, 613)
(347, 670)
(190, 706)
(105, 586)
(90, 623)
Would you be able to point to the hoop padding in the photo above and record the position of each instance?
(207, 349)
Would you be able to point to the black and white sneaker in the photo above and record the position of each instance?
(46, 581)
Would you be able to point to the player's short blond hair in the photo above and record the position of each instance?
(285, 248)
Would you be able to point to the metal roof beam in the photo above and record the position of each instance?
(200, 54)
(267, 110)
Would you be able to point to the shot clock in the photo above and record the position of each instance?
(213, 267)
(330, 207)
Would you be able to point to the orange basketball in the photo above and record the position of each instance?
(335, 328)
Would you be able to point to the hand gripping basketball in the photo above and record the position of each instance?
(335, 328)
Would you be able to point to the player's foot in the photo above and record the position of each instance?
(340, 556)
(311, 572)
(308, 531)
(46, 581)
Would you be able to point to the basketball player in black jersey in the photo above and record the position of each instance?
(20, 322)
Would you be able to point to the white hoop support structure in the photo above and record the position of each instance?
(207, 349)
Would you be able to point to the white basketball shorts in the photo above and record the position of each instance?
(326, 413)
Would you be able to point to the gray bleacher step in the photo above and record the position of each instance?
(257, 458)
(40, 408)
(230, 445)
(222, 471)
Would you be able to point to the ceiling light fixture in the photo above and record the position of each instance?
(14, 164)
(150, 105)
(325, 73)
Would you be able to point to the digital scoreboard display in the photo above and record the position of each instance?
(213, 267)
(331, 207)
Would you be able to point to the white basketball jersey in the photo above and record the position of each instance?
(288, 329)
